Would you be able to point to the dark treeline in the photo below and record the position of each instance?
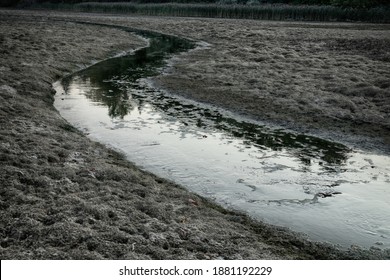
(342, 3)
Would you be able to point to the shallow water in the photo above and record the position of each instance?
(320, 188)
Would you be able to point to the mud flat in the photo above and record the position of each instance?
(64, 196)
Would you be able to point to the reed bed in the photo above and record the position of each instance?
(259, 12)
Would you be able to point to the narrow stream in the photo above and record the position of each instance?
(320, 188)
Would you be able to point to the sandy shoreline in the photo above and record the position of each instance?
(66, 197)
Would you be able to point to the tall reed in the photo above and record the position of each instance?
(260, 12)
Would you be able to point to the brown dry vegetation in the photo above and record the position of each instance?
(66, 197)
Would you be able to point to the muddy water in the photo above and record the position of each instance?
(320, 188)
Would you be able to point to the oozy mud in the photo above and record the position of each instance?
(320, 188)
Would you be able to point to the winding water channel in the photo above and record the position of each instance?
(313, 186)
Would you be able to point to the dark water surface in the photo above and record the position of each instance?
(321, 188)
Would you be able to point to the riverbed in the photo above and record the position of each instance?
(321, 188)
(64, 196)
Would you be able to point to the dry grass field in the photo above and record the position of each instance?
(66, 197)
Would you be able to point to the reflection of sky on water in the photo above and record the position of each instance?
(311, 185)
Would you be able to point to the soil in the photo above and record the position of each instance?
(64, 196)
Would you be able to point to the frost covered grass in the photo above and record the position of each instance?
(63, 196)
(66, 197)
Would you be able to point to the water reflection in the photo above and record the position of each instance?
(113, 92)
(109, 79)
(289, 179)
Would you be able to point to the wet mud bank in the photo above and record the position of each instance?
(64, 196)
